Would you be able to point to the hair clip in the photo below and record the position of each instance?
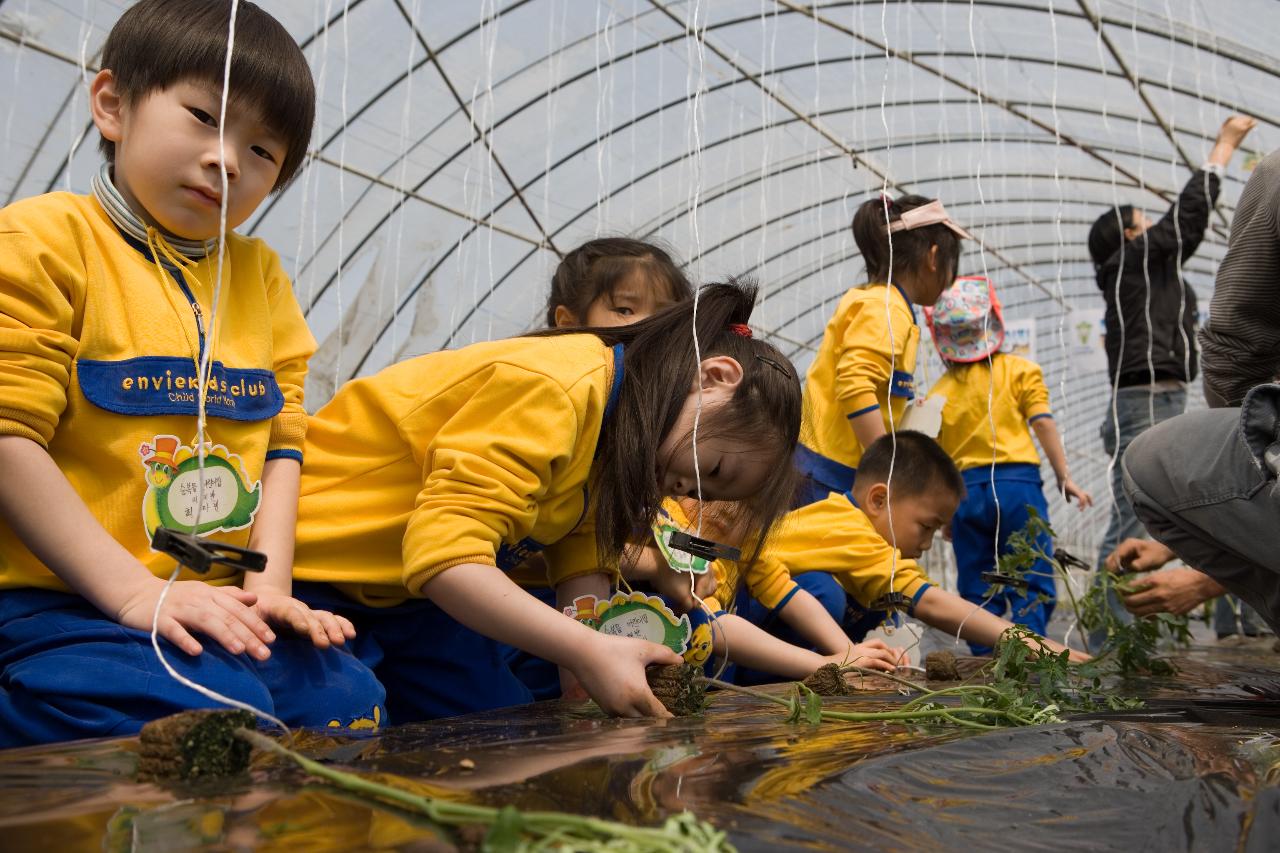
(741, 329)
(775, 365)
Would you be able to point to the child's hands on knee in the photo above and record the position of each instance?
(611, 670)
(222, 613)
(324, 628)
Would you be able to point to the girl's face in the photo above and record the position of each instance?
(632, 300)
(729, 470)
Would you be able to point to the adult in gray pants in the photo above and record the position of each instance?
(1205, 486)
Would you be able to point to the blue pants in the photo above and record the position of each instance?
(432, 665)
(976, 537)
(67, 671)
(819, 477)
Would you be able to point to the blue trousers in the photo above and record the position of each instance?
(432, 665)
(977, 536)
(67, 671)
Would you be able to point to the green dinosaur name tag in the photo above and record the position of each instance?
(681, 561)
(644, 617)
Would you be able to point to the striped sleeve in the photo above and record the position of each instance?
(1241, 341)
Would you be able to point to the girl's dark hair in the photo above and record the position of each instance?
(870, 232)
(1107, 233)
(596, 267)
(659, 368)
(158, 43)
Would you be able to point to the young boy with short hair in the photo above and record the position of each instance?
(106, 312)
(852, 535)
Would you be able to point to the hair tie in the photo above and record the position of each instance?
(740, 329)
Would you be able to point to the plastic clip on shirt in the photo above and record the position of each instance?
(200, 555)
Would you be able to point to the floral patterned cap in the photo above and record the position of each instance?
(967, 322)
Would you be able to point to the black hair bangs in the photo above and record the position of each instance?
(158, 43)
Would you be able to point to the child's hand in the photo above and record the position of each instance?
(1076, 656)
(873, 654)
(1235, 129)
(224, 613)
(324, 628)
(611, 670)
(1071, 490)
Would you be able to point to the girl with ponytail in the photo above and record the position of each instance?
(427, 482)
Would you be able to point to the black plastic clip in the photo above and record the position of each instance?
(704, 548)
(200, 555)
(1070, 561)
(998, 579)
(891, 602)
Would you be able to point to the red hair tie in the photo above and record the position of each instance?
(740, 329)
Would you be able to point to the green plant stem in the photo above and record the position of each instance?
(550, 824)
(887, 716)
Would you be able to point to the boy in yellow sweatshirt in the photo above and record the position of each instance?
(869, 538)
(105, 317)
(994, 401)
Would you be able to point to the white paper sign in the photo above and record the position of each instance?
(1020, 338)
(1085, 332)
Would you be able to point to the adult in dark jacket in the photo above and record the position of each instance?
(1151, 312)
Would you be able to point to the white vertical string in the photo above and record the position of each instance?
(402, 180)
(204, 377)
(888, 291)
(17, 67)
(82, 58)
(342, 191)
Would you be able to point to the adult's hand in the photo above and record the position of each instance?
(1138, 555)
(1175, 591)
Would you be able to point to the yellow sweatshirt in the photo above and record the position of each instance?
(836, 537)
(857, 370)
(1018, 396)
(475, 455)
(99, 339)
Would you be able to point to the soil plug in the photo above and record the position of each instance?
(194, 745)
(678, 687)
(941, 666)
(828, 680)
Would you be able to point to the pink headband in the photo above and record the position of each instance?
(932, 213)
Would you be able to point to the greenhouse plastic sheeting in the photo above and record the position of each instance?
(1188, 772)
(460, 147)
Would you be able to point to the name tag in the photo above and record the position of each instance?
(168, 385)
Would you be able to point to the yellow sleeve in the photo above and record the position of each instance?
(576, 555)
(292, 347)
(41, 295)
(484, 469)
(1033, 394)
(726, 586)
(769, 580)
(865, 366)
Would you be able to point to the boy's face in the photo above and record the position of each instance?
(914, 520)
(166, 156)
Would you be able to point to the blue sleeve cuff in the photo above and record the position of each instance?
(295, 455)
(1039, 416)
(786, 598)
(863, 411)
(915, 599)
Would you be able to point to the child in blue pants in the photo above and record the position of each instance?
(994, 401)
(106, 319)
